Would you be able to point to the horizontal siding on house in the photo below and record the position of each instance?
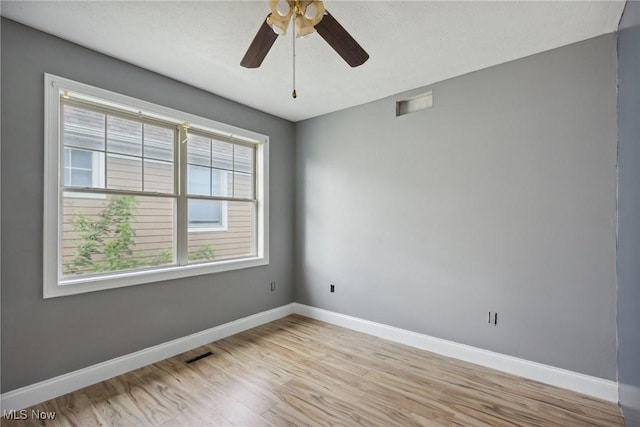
(154, 216)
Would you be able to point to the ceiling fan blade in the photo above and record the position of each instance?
(341, 41)
(259, 47)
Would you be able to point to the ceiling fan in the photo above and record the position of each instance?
(309, 17)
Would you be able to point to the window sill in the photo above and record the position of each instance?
(117, 280)
(207, 229)
(74, 195)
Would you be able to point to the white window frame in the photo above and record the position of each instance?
(53, 283)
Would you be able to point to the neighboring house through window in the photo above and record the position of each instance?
(136, 192)
(205, 215)
(81, 168)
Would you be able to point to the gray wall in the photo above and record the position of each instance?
(628, 256)
(45, 338)
(500, 198)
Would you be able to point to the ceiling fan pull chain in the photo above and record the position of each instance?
(294, 94)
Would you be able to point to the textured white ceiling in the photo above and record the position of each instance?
(411, 44)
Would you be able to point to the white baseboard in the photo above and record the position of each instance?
(54, 387)
(592, 386)
(630, 404)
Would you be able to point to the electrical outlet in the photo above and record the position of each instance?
(332, 288)
(493, 318)
(273, 286)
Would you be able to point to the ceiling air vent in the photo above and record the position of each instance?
(417, 103)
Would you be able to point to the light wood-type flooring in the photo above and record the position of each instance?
(298, 371)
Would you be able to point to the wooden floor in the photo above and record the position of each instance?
(298, 371)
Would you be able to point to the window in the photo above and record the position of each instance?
(205, 215)
(136, 192)
(80, 168)
(83, 166)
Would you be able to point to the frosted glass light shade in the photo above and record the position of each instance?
(311, 12)
(278, 24)
(283, 8)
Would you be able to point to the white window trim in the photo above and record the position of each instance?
(53, 285)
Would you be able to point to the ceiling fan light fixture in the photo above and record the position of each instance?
(319, 14)
(282, 8)
(303, 27)
(309, 17)
(278, 20)
(311, 11)
(277, 24)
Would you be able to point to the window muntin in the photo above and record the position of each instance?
(135, 153)
(116, 141)
(133, 226)
(218, 228)
(211, 172)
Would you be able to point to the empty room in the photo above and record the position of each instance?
(301, 213)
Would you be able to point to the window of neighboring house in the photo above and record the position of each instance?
(134, 194)
(82, 168)
(205, 215)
